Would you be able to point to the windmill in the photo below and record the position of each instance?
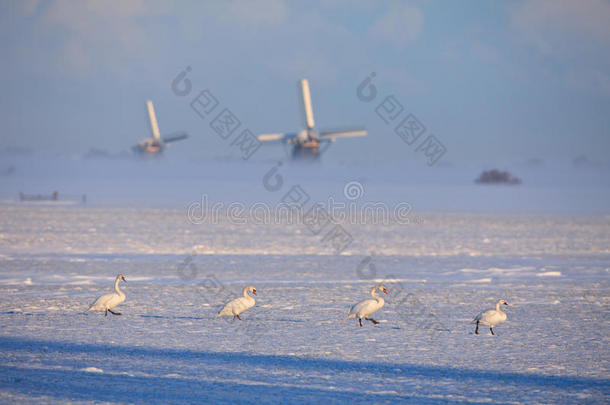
(154, 145)
(306, 143)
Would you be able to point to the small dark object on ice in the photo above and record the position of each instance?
(497, 177)
(39, 197)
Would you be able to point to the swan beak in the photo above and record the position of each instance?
(254, 292)
(385, 291)
(123, 278)
(505, 303)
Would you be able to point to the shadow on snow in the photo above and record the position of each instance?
(221, 383)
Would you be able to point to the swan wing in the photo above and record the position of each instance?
(495, 318)
(101, 303)
(364, 308)
(490, 317)
(480, 316)
(237, 306)
(115, 300)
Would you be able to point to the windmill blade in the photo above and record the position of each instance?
(153, 120)
(279, 137)
(271, 137)
(306, 103)
(176, 136)
(345, 133)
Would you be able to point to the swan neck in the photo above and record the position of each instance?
(245, 292)
(116, 286)
(373, 292)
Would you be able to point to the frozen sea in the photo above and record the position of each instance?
(441, 268)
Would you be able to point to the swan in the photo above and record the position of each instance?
(491, 317)
(365, 308)
(239, 305)
(108, 301)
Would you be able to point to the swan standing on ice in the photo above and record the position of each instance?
(367, 307)
(108, 301)
(490, 318)
(239, 305)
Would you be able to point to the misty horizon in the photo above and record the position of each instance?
(505, 82)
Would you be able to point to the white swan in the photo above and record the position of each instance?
(106, 302)
(239, 305)
(490, 318)
(365, 308)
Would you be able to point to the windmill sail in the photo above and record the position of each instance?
(153, 146)
(153, 120)
(277, 137)
(345, 133)
(306, 143)
(176, 136)
(306, 100)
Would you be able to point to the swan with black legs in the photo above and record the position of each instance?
(365, 308)
(239, 305)
(490, 318)
(107, 302)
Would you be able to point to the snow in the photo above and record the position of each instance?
(93, 370)
(294, 344)
(549, 274)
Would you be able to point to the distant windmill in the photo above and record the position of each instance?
(154, 145)
(306, 143)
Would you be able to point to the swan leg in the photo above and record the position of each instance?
(492, 331)
(360, 320)
(114, 313)
(372, 320)
(106, 313)
(476, 330)
(238, 317)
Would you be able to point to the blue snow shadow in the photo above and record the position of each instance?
(210, 377)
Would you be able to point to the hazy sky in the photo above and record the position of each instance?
(501, 81)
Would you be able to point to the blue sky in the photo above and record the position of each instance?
(494, 81)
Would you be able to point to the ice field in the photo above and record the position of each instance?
(294, 346)
(203, 202)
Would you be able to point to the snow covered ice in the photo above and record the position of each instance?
(453, 154)
(294, 344)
